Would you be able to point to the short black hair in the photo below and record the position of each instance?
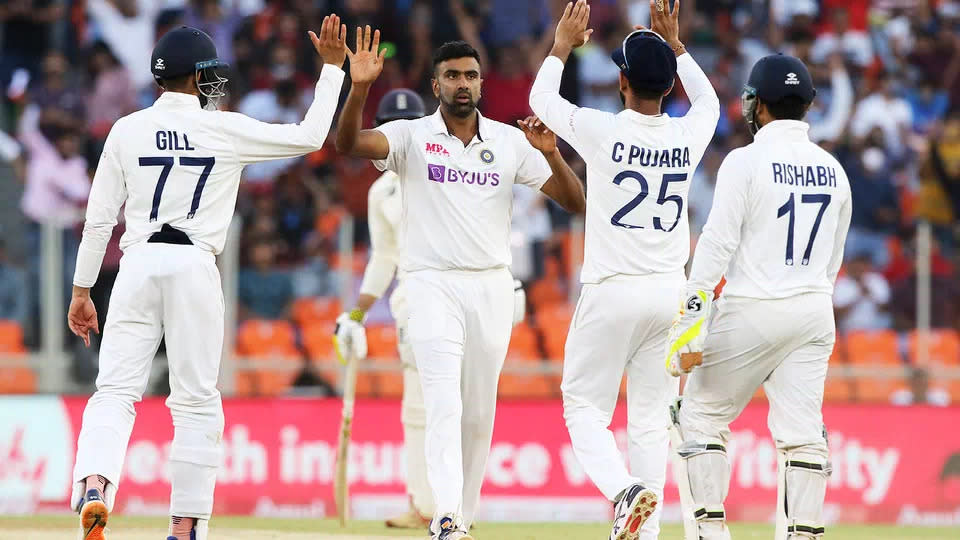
(454, 49)
(644, 93)
(788, 108)
(174, 83)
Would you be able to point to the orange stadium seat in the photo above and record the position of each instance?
(527, 386)
(382, 342)
(874, 348)
(837, 388)
(523, 343)
(315, 308)
(944, 348)
(11, 337)
(554, 323)
(17, 379)
(268, 342)
(546, 292)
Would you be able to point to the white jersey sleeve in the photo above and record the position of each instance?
(107, 195)
(261, 141)
(840, 239)
(383, 219)
(397, 133)
(533, 169)
(701, 120)
(721, 233)
(584, 129)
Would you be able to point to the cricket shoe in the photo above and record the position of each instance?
(633, 509)
(450, 529)
(193, 536)
(93, 516)
(411, 520)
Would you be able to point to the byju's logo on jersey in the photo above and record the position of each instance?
(792, 79)
(436, 149)
(159, 65)
(442, 174)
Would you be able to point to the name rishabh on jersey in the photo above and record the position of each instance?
(780, 215)
(176, 163)
(638, 173)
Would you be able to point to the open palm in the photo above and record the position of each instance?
(538, 134)
(366, 62)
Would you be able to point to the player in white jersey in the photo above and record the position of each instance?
(457, 171)
(384, 207)
(639, 164)
(175, 168)
(781, 210)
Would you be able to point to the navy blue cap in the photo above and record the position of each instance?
(778, 76)
(647, 61)
(183, 51)
(400, 104)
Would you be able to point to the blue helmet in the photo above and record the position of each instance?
(400, 104)
(184, 51)
(773, 78)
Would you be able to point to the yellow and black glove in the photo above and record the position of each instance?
(688, 333)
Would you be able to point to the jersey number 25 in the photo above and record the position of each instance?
(167, 163)
(617, 219)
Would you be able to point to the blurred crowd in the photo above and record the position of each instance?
(888, 106)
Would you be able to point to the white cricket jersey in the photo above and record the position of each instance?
(457, 199)
(781, 210)
(384, 208)
(178, 164)
(639, 169)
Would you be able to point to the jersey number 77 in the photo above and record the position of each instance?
(662, 199)
(185, 161)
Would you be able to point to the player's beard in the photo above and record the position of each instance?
(459, 109)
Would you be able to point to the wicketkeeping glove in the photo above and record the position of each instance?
(519, 302)
(689, 331)
(350, 337)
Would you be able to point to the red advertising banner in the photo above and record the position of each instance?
(890, 464)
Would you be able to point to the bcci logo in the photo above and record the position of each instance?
(792, 79)
(159, 65)
(486, 156)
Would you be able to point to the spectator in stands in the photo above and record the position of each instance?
(876, 212)
(510, 77)
(829, 113)
(928, 105)
(313, 277)
(128, 27)
(218, 21)
(938, 199)
(265, 291)
(854, 45)
(919, 391)
(599, 77)
(530, 229)
(861, 296)
(112, 97)
(13, 290)
(59, 97)
(886, 110)
(26, 34)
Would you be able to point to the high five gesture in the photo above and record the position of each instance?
(366, 62)
(331, 45)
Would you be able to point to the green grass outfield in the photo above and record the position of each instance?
(246, 528)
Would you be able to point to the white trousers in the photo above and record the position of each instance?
(619, 325)
(413, 418)
(170, 290)
(784, 345)
(459, 328)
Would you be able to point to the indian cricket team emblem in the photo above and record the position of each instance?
(486, 156)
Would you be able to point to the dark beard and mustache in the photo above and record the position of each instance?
(460, 110)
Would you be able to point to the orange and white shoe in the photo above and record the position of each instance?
(633, 509)
(93, 516)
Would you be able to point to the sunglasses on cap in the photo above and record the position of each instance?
(640, 32)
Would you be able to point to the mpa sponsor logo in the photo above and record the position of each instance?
(436, 149)
(443, 174)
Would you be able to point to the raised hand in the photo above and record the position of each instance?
(331, 45)
(666, 22)
(366, 62)
(538, 134)
(572, 29)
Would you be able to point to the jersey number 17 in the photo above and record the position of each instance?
(167, 163)
(789, 209)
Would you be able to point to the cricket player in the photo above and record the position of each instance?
(457, 170)
(175, 166)
(639, 164)
(780, 215)
(384, 207)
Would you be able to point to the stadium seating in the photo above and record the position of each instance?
(315, 309)
(16, 377)
(878, 348)
(944, 348)
(554, 322)
(269, 343)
